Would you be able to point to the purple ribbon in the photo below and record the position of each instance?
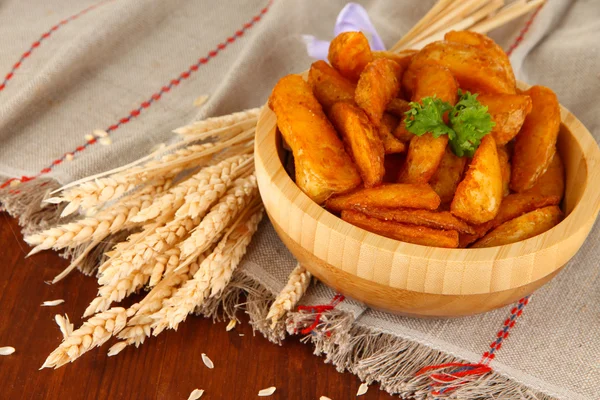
(353, 17)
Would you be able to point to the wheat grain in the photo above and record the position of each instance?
(286, 300)
(230, 325)
(196, 394)
(362, 389)
(209, 184)
(267, 392)
(215, 123)
(51, 303)
(65, 326)
(220, 215)
(207, 361)
(93, 333)
(6, 350)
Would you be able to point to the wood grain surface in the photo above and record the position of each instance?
(166, 367)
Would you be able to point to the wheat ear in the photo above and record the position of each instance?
(216, 123)
(92, 193)
(93, 333)
(220, 215)
(216, 268)
(286, 300)
(210, 183)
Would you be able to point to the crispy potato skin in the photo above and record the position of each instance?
(503, 158)
(423, 158)
(432, 219)
(473, 68)
(524, 227)
(535, 144)
(391, 145)
(426, 152)
(508, 111)
(349, 53)
(401, 133)
(328, 85)
(378, 85)
(479, 195)
(486, 44)
(362, 140)
(403, 58)
(404, 233)
(394, 195)
(448, 175)
(552, 182)
(398, 107)
(322, 166)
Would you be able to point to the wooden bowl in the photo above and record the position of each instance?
(424, 281)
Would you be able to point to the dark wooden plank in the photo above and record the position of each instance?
(165, 367)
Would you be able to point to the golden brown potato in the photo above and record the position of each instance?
(349, 53)
(398, 107)
(393, 195)
(378, 85)
(403, 58)
(524, 227)
(432, 219)
(404, 233)
(535, 144)
(479, 195)
(426, 152)
(435, 81)
(401, 133)
(486, 44)
(508, 111)
(362, 140)
(423, 158)
(322, 166)
(552, 182)
(503, 158)
(328, 85)
(391, 145)
(474, 70)
(448, 175)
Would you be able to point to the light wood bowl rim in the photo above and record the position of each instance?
(576, 225)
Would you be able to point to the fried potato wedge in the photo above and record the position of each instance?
(378, 85)
(432, 219)
(535, 144)
(426, 152)
(424, 156)
(322, 166)
(363, 141)
(479, 195)
(435, 81)
(349, 53)
(474, 69)
(524, 227)
(486, 44)
(398, 107)
(448, 175)
(503, 158)
(552, 182)
(403, 58)
(404, 233)
(391, 145)
(401, 133)
(328, 85)
(393, 195)
(508, 111)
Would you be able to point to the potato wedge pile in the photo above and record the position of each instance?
(355, 153)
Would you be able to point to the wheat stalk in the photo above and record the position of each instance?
(93, 333)
(217, 123)
(286, 300)
(208, 184)
(216, 269)
(220, 215)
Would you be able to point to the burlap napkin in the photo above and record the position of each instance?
(134, 69)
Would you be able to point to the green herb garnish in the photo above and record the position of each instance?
(469, 121)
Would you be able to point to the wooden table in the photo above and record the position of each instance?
(166, 367)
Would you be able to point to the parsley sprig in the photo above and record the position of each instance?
(469, 121)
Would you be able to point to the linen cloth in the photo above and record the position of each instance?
(134, 69)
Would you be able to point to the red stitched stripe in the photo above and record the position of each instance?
(153, 98)
(524, 31)
(44, 36)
